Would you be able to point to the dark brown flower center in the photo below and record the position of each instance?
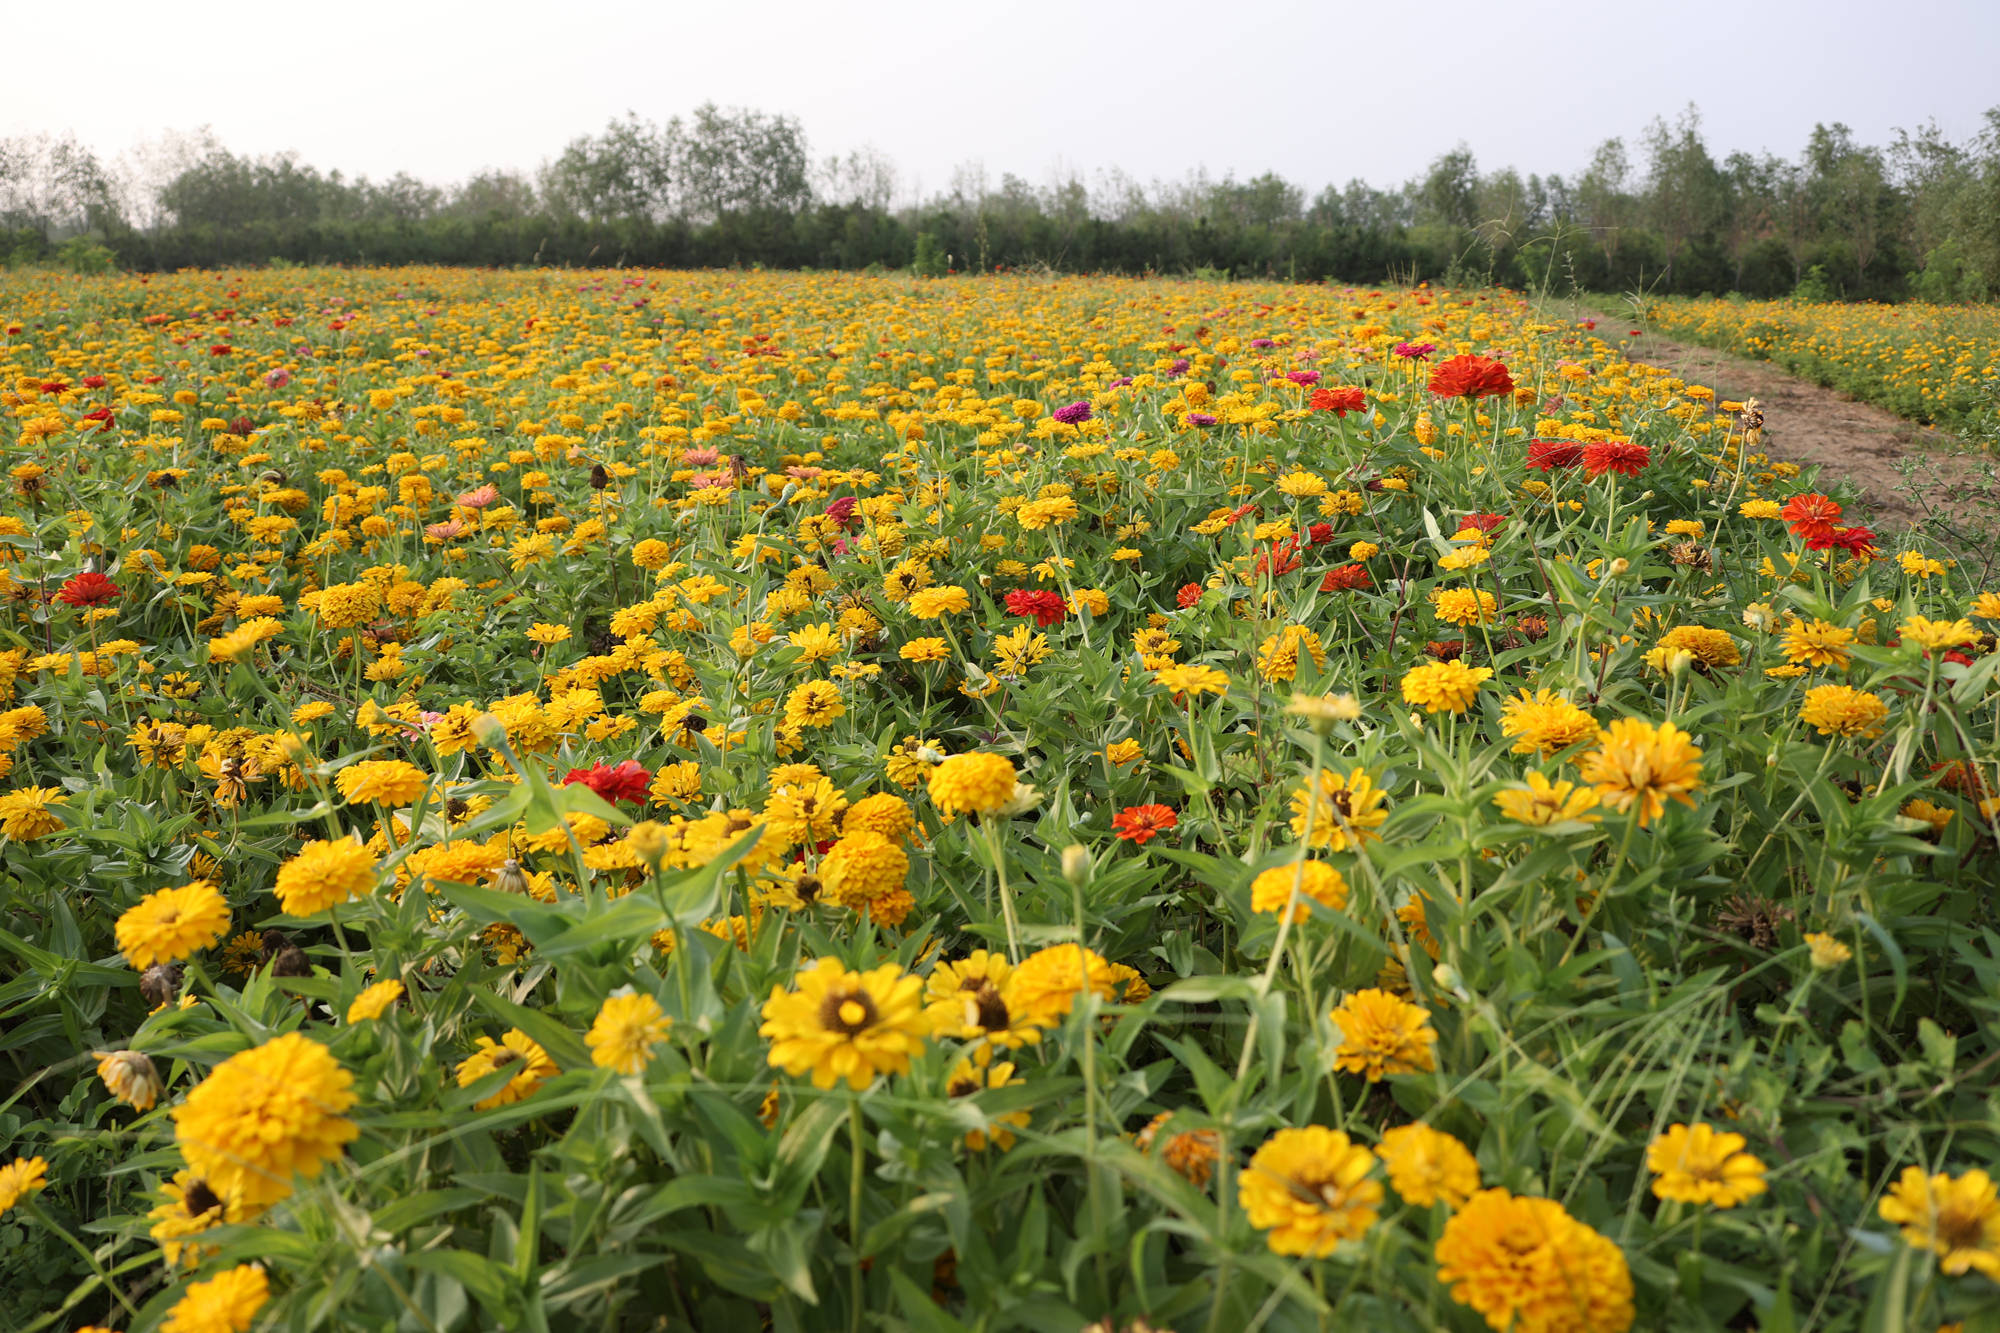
(199, 1199)
(990, 1010)
(847, 1012)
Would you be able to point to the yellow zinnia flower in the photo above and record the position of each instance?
(846, 1025)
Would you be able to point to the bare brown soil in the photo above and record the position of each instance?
(1852, 441)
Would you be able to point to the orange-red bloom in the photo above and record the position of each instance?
(1138, 823)
(1471, 377)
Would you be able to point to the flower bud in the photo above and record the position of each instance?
(489, 730)
(1076, 864)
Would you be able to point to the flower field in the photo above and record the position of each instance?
(739, 800)
(1932, 363)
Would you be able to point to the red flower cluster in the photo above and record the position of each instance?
(1138, 823)
(1621, 456)
(1346, 578)
(1471, 377)
(1812, 517)
(628, 781)
(1548, 455)
(87, 589)
(1046, 607)
(1338, 401)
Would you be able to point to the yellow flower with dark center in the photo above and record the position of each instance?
(1841, 710)
(1640, 765)
(627, 1028)
(1381, 1034)
(264, 1116)
(1342, 813)
(226, 1303)
(977, 783)
(1314, 880)
(1955, 1217)
(20, 1178)
(1695, 1164)
(1439, 687)
(25, 814)
(131, 1077)
(374, 1001)
(171, 924)
(814, 704)
(841, 1025)
(388, 782)
(967, 1081)
(1525, 1264)
(515, 1051)
(1818, 643)
(1540, 802)
(190, 1208)
(1428, 1165)
(1309, 1189)
(323, 875)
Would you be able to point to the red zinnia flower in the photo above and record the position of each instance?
(87, 589)
(1483, 522)
(841, 511)
(1347, 578)
(1621, 456)
(1046, 607)
(1471, 377)
(628, 781)
(1811, 516)
(1445, 650)
(1137, 823)
(1855, 540)
(1189, 594)
(1282, 558)
(1547, 455)
(1338, 401)
(1319, 534)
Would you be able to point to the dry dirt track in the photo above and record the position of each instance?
(1806, 424)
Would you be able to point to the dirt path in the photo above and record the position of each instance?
(1850, 440)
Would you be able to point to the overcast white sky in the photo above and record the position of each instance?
(1317, 92)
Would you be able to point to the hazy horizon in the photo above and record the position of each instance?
(1323, 95)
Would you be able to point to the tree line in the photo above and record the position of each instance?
(1919, 216)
